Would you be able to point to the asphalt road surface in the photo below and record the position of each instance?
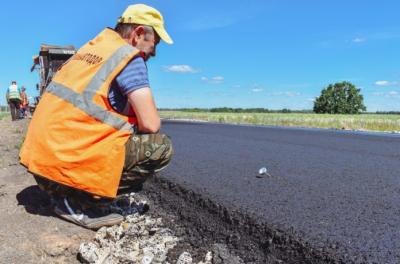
(335, 195)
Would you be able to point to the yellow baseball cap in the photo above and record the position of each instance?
(145, 15)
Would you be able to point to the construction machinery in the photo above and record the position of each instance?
(48, 61)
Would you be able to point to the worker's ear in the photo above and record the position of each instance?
(136, 34)
(140, 32)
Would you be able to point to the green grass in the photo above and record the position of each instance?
(369, 122)
(3, 115)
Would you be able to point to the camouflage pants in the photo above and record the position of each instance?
(145, 155)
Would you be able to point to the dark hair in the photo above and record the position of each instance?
(125, 30)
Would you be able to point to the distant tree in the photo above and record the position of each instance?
(286, 111)
(340, 98)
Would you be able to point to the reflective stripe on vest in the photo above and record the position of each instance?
(13, 92)
(82, 138)
(85, 102)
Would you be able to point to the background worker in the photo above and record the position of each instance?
(13, 97)
(24, 103)
(94, 134)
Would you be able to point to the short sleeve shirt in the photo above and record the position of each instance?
(134, 76)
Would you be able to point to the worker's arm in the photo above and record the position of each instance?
(8, 96)
(145, 109)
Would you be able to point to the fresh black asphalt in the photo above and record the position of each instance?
(333, 192)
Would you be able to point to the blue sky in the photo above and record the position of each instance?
(258, 53)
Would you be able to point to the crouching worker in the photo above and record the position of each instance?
(96, 128)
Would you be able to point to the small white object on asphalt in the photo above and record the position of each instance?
(263, 171)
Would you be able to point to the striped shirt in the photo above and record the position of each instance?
(134, 76)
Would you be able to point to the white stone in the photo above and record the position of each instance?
(185, 258)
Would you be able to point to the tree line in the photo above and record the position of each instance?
(234, 110)
(339, 98)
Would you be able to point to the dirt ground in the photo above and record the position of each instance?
(30, 232)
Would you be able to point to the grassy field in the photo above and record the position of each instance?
(3, 115)
(369, 122)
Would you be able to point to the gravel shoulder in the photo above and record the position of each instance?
(32, 233)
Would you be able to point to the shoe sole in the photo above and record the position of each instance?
(95, 225)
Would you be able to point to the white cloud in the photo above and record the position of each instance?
(389, 94)
(359, 40)
(213, 80)
(297, 85)
(289, 94)
(179, 69)
(218, 79)
(387, 83)
(257, 90)
(311, 99)
(382, 83)
(207, 23)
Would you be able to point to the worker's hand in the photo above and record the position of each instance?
(145, 109)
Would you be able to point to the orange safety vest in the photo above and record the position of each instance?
(24, 99)
(75, 137)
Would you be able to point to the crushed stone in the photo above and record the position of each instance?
(138, 239)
